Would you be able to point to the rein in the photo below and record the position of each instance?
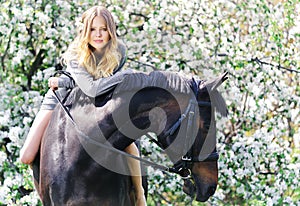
(183, 166)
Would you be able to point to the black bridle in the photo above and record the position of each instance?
(184, 166)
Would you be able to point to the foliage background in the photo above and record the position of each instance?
(256, 41)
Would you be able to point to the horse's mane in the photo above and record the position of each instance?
(170, 81)
(166, 80)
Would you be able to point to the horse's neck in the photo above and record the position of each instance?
(150, 110)
(160, 115)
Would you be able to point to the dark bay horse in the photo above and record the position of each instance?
(76, 165)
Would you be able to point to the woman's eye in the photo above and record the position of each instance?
(92, 29)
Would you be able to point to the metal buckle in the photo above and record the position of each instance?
(185, 173)
(187, 159)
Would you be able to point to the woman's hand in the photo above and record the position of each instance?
(53, 83)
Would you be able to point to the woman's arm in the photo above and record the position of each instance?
(65, 81)
(89, 85)
(86, 81)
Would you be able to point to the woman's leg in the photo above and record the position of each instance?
(33, 140)
(135, 170)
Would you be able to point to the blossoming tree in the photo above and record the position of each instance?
(256, 41)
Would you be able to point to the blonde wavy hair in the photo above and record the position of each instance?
(82, 51)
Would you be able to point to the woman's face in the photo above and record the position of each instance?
(99, 35)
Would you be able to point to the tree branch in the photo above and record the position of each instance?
(6, 50)
(257, 60)
(267, 173)
(144, 64)
(139, 14)
(35, 66)
(273, 65)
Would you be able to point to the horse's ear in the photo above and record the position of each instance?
(215, 96)
(215, 83)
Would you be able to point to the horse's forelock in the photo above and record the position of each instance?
(216, 98)
(219, 103)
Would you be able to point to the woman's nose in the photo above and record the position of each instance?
(98, 34)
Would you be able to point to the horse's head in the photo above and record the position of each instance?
(199, 165)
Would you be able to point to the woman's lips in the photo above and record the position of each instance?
(98, 41)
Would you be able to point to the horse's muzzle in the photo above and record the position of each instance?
(202, 192)
(209, 191)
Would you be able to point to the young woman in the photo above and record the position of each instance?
(96, 55)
